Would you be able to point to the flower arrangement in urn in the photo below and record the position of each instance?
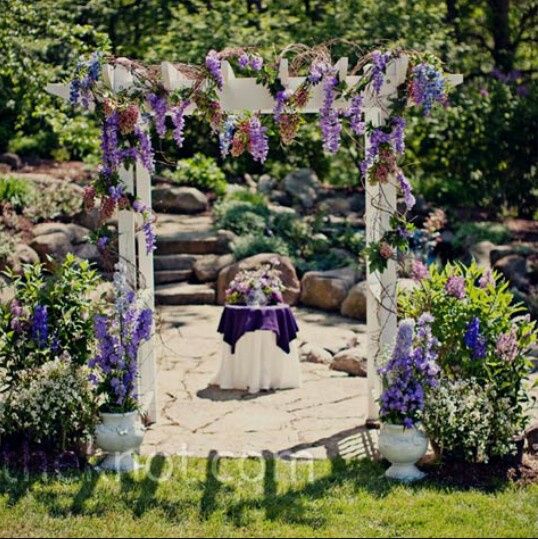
(258, 287)
(407, 376)
(119, 335)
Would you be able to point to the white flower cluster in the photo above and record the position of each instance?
(52, 402)
(467, 419)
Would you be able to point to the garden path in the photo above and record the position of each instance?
(323, 418)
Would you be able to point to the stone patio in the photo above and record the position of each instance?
(323, 418)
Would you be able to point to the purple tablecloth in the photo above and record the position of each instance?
(236, 320)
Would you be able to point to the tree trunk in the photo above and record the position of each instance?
(503, 48)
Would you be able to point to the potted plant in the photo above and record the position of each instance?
(480, 408)
(411, 369)
(119, 335)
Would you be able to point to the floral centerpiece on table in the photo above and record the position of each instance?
(119, 335)
(262, 286)
(482, 400)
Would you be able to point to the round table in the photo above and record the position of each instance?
(259, 349)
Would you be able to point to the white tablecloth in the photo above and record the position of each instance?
(258, 363)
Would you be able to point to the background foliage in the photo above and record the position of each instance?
(479, 152)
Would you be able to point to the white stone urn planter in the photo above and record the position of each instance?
(402, 448)
(119, 436)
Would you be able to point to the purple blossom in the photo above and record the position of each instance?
(178, 119)
(398, 134)
(354, 113)
(256, 63)
(487, 279)
(258, 145)
(145, 149)
(412, 367)
(40, 325)
(317, 70)
(109, 142)
(474, 340)
(455, 286)
(419, 270)
(226, 135)
(329, 116)
(116, 193)
(378, 137)
(159, 106)
(16, 310)
(103, 242)
(427, 87)
(243, 60)
(147, 225)
(507, 345)
(405, 187)
(281, 99)
(119, 336)
(74, 91)
(212, 63)
(379, 64)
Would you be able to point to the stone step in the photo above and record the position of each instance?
(195, 235)
(172, 276)
(174, 262)
(184, 294)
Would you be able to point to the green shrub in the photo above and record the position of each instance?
(7, 244)
(15, 191)
(244, 195)
(69, 312)
(254, 244)
(241, 217)
(51, 405)
(53, 201)
(469, 233)
(482, 337)
(199, 171)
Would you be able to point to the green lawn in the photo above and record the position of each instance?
(201, 497)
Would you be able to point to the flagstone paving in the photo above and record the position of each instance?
(323, 417)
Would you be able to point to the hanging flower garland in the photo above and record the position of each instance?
(127, 117)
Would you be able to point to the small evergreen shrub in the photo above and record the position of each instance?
(16, 192)
(253, 244)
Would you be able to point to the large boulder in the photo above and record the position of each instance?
(327, 289)
(266, 184)
(350, 361)
(54, 244)
(286, 269)
(514, 268)
(12, 160)
(22, 254)
(481, 252)
(354, 305)
(75, 233)
(303, 185)
(207, 268)
(312, 353)
(178, 200)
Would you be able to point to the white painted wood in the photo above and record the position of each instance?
(147, 392)
(381, 318)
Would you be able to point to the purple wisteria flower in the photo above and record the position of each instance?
(474, 340)
(119, 336)
(258, 145)
(455, 286)
(178, 119)
(256, 62)
(40, 325)
(427, 87)
(379, 64)
(354, 113)
(405, 187)
(317, 70)
(212, 63)
(109, 143)
(159, 105)
(145, 149)
(328, 115)
(226, 135)
(398, 134)
(102, 243)
(411, 369)
(148, 228)
(281, 99)
(243, 60)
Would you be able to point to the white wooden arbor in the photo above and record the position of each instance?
(244, 94)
